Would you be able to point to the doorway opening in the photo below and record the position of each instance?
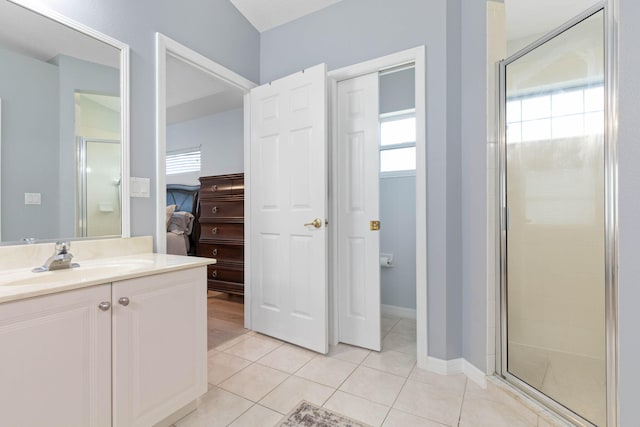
(399, 304)
(201, 133)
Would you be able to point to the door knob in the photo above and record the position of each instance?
(317, 223)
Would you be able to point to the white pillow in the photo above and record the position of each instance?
(170, 210)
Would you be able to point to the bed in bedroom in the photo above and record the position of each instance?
(181, 210)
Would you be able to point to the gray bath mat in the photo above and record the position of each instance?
(309, 415)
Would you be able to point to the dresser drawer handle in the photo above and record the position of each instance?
(214, 230)
(214, 273)
(214, 209)
(215, 252)
(214, 188)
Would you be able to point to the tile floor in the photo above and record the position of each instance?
(255, 380)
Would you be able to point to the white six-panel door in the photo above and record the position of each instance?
(288, 181)
(358, 205)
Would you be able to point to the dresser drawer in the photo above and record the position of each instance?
(216, 230)
(212, 187)
(238, 186)
(214, 209)
(221, 252)
(225, 273)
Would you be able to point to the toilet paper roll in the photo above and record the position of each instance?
(385, 261)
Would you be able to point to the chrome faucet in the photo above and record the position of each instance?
(60, 259)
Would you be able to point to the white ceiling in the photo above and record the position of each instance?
(527, 18)
(267, 14)
(26, 32)
(193, 93)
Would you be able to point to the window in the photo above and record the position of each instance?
(398, 143)
(183, 161)
(563, 113)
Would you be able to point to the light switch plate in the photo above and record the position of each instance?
(32, 198)
(140, 187)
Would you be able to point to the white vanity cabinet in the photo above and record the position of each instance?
(55, 360)
(129, 353)
(159, 345)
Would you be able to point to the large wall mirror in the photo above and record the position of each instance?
(64, 166)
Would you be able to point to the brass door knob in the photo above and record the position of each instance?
(317, 223)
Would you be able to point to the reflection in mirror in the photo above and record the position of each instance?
(61, 120)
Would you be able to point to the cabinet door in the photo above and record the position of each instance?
(55, 360)
(159, 345)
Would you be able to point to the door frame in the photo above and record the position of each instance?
(167, 46)
(499, 334)
(417, 56)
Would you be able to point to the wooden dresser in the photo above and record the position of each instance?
(220, 231)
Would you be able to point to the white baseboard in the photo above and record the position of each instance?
(394, 311)
(457, 366)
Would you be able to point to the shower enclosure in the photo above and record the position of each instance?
(558, 201)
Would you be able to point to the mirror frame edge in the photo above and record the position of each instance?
(125, 215)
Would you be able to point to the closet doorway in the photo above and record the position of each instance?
(200, 149)
(375, 159)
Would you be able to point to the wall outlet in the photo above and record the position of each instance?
(32, 198)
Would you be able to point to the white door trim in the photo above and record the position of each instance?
(164, 46)
(416, 55)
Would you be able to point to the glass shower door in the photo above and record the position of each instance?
(554, 233)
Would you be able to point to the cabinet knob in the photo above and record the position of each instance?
(214, 273)
(104, 306)
(123, 301)
(214, 230)
(214, 209)
(214, 188)
(215, 252)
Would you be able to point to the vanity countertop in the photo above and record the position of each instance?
(23, 283)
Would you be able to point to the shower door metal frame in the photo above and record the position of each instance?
(610, 9)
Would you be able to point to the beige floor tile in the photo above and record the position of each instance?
(222, 365)
(216, 408)
(398, 342)
(431, 402)
(406, 327)
(486, 411)
(402, 419)
(327, 371)
(253, 348)
(348, 353)
(258, 416)
(287, 395)
(454, 383)
(377, 386)
(287, 358)
(254, 382)
(357, 408)
(390, 361)
(503, 399)
(228, 343)
(387, 323)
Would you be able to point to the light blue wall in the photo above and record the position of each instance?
(398, 236)
(76, 75)
(341, 35)
(214, 28)
(398, 204)
(397, 90)
(473, 157)
(221, 140)
(629, 211)
(29, 94)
